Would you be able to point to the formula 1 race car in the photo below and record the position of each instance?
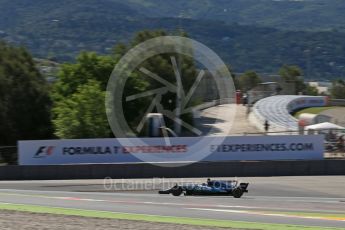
(211, 188)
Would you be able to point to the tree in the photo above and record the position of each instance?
(83, 113)
(89, 74)
(311, 91)
(24, 99)
(248, 80)
(162, 66)
(90, 67)
(293, 74)
(338, 89)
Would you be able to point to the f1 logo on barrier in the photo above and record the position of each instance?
(44, 151)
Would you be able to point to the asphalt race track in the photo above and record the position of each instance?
(308, 201)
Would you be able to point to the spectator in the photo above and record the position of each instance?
(266, 126)
(341, 143)
(245, 99)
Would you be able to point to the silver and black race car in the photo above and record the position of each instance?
(211, 188)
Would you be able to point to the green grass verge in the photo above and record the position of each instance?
(153, 218)
(314, 110)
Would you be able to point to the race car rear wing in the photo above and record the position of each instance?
(244, 186)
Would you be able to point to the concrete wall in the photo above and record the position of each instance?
(201, 169)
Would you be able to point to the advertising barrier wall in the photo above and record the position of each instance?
(307, 101)
(179, 149)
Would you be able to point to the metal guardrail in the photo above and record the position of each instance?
(287, 132)
(337, 102)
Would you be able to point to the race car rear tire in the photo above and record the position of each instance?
(177, 191)
(237, 193)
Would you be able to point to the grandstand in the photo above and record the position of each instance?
(277, 111)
